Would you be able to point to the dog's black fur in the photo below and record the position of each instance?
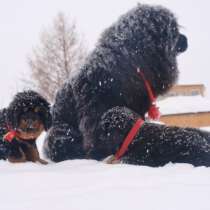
(3, 131)
(146, 37)
(24, 104)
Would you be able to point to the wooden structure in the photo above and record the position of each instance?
(195, 120)
(186, 90)
(186, 106)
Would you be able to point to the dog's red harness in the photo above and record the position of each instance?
(129, 138)
(153, 114)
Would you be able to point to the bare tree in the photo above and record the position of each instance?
(60, 51)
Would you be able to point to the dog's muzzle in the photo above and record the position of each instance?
(29, 130)
(182, 44)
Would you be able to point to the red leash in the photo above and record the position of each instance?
(153, 112)
(129, 138)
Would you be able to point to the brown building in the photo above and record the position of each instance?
(186, 106)
(186, 90)
(195, 120)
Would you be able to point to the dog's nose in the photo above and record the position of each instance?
(182, 44)
(30, 130)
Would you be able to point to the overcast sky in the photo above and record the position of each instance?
(22, 21)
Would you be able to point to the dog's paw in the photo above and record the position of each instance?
(44, 162)
(111, 160)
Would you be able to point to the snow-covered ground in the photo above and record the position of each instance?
(92, 185)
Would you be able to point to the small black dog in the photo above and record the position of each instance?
(21, 124)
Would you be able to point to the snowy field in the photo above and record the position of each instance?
(92, 185)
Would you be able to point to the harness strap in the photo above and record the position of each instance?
(153, 111)
(129, 138)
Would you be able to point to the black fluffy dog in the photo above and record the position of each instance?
(20, 125)
(154, 144)
(146, 38)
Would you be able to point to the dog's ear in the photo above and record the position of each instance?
(182, 44)
(11, 118)
(45, 114)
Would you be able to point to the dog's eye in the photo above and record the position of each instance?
(23, 123)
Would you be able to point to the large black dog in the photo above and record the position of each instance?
(20, 125)
(147, 38)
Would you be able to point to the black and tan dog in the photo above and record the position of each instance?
(26, 117)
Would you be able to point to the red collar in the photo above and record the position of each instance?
(153, 111)
(9, 136)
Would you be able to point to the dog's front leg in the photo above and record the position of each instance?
(111, 131)
(15, 159)
(32, 154)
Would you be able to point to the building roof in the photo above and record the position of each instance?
(189, 85)
(184, 104)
